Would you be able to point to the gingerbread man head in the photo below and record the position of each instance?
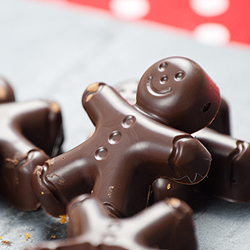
(176, 91)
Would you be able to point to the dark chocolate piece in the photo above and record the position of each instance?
(166, 225)
(6, 91)
(30, 132)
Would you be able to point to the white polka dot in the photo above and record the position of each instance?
(209, 7)
(129, 9)
(212, 33)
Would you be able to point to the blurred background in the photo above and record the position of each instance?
(55, 49)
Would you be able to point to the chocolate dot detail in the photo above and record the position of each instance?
(115, 137)
(164, 80)
(128, 121)
(179, 76)
(101, 153)
(163, 66)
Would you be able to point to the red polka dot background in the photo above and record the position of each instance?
(214, 22)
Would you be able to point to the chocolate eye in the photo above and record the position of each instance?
(206, 107)
(163, 80)
(179, 76)
(163, 66)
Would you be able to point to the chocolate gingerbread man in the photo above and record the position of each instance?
(132, 146)
(166, 225)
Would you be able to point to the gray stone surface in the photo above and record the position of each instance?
(53, 51)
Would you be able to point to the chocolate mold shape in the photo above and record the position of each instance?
(166, 225)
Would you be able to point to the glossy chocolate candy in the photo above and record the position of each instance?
(30, 133)
(166, 225)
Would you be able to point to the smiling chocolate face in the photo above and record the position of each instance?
(176, 91)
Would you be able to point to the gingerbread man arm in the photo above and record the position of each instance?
(100, 102)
